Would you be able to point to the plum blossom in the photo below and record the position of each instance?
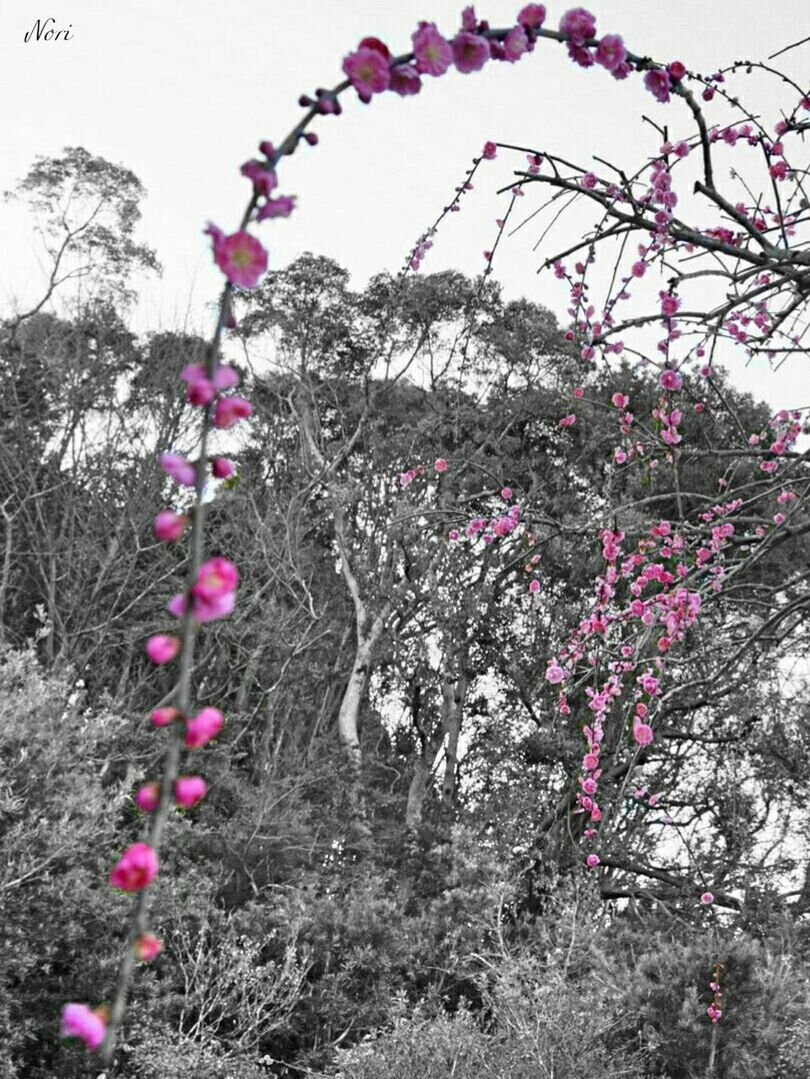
(135, 869)
(203, 727)
(432, 52)
(189, 790)
(670, 380)
(169, 526)
(240, 256)
(283, 206)
(405, 80)
(610, 52)
(147, 797)
(228, 411)
(78, 1021)
(657, 81)
(178, 468)
(470, 52)
(222, 467)
(532, 16)
(368, 72)
(162, 648)
(147, 947)
(555, 674)
(515, 44)
(579, 25)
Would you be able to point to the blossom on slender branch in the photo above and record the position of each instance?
(135, 869)
(78, 1021)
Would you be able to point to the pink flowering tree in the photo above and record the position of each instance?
(667, 561)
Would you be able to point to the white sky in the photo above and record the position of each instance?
(182, 92)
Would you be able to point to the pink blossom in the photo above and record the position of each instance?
(200, 392)
(405, 80)
(555, 673)
(283, 206)
(620, 400)
(453, 534)
(470, 52)
(515, 44)
(147, 947)
(135, 869)
(592, 861)
(670, 380)
(534, 586)
(669, 304)
(490, 151)
(779, 170)
(610, 52)
(532, 16)
(589, 181)
(432, 52)
(440, 464)
(162, 648)
(367, 71)
(228, 411)
(203, 727)
(178, 468)
(580, 54)
(264, 179)
(707, 898)
(215, 577)
(189, 790)
(241, 258)
(147, 797)
(657, 81)
(579, 25)
(78, 1021)
(567, 421)
(506, 493)
(643, 733)
(638, 269)
(222, 467)
(169, 526)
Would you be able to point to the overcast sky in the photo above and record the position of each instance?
(181, 93)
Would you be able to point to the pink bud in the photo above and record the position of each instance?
(169, 526)
(188, 790)
(707, 898)
(440, 464)
(222, 467)
(147, 947)
(162, 717)
(147, 797)
(162, 648)
(592, 861)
